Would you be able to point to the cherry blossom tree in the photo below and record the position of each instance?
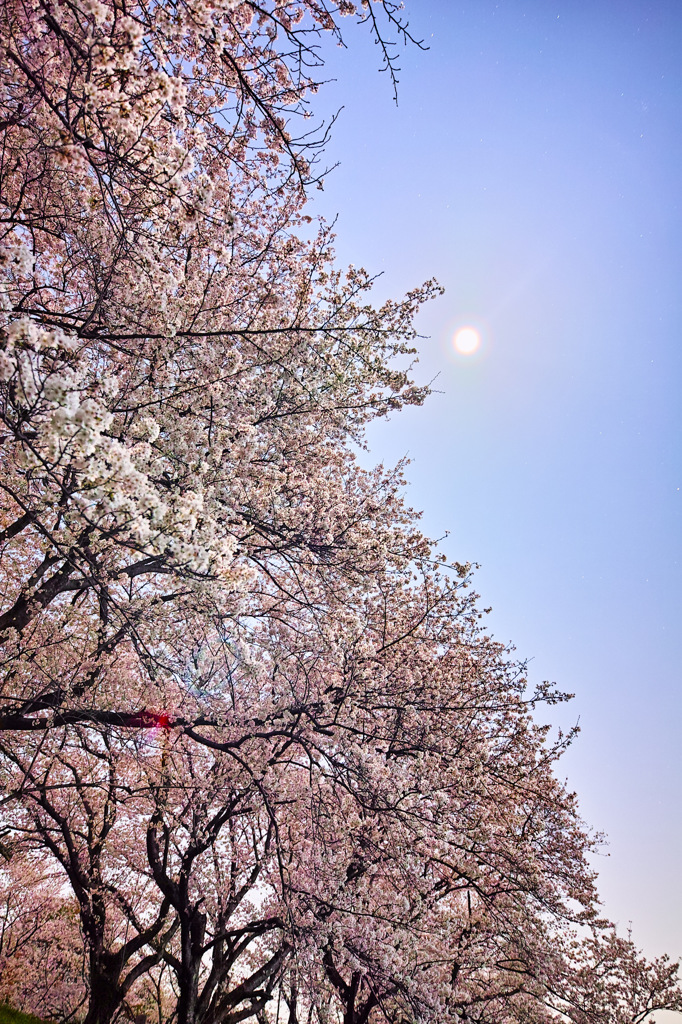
(72, 795)
(210, 848)
(41, 955)
(248, 714)
(376, 826)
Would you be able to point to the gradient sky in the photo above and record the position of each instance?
(533, 166)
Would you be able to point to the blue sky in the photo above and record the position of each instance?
(533, 165)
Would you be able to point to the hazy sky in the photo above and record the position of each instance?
(534, 166)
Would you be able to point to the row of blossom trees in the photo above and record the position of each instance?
(258, 758)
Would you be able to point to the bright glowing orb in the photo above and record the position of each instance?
(466, 340)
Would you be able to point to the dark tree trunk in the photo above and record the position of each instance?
(105, 993)
(105, 997)
(109, 982)
(355, 1009)
(192, 931)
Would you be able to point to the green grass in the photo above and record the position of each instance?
(10, 1016)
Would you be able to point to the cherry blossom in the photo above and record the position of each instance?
(258, 755)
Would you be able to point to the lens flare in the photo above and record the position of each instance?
(466, 340)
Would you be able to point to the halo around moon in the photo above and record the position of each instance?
(466, 340)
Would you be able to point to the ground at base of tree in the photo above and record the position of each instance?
(10, 1016)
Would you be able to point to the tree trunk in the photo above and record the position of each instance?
(105, 996)
(193, 929)
(105, 969)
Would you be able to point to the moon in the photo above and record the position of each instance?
(466, 340)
